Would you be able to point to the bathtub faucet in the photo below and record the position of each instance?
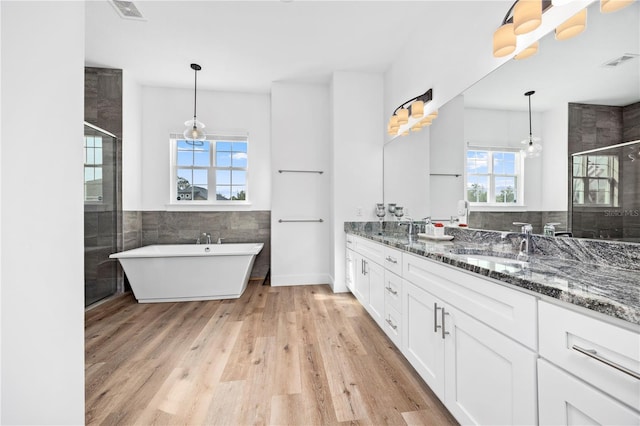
(206, 238)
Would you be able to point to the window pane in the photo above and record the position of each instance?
(200, 177)
(98, 156)
(477, 162)
(223, 146)
(239, 177)
(97, 173)
(185, 158)
(200, 192)
(477, 188)
(504, 163)
(238, 193)
(185, 145)
(88, 141)
(223, 177)
(201, 158)
(240, 159)
(240, 147)
(223, 192)
(185, 175)
(88, 174)
(505, 189)
(98, 141)
(223, 159)
(90, 158)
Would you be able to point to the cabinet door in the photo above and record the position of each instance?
(490, 379)
(422, 341)
(375, 274)
(565, 400)
(362, 280)
(350, 270)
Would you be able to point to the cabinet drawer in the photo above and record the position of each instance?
(392, 260)
(393, 290)
(369, 249)
(563, 332)
(392, 325)
(566, 400)
(511, 312)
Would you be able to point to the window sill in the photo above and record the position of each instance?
(484, 207)
(209, 206)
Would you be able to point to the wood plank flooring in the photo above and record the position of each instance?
(278, 355)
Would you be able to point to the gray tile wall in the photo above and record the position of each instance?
(162, 227)
(503, 221)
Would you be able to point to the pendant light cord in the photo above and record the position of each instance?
(195, 96)
(528, 94)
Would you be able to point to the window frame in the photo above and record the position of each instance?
(491, 190)
(213, 139)
(612, 182)
(93, 166)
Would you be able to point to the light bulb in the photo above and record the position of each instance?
(194, 130)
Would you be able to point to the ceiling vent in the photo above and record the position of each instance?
(620, 60)
(127, 10)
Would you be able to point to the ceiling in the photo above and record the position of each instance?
(246, 45)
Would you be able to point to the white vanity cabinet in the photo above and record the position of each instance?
(369, 276)
(589, 371)
(350, 270)
(481, 375)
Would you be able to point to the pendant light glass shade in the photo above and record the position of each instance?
(416, 127)
(607, 6)
(393, 122)
(194, 130)
(417, 109)
(504, 41)
(403, 116)
(426, 121)
(527, 16)
(529, 51)
(572, 26)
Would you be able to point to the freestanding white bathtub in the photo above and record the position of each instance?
(187, 272)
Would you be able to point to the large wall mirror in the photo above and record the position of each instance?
(493, 114)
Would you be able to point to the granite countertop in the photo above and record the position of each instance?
(606, 289)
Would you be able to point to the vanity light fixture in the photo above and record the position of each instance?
(194, 130)
(572, 26)
(413, 108)
(607, 6)
(533, 148)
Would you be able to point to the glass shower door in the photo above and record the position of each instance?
(100, 214)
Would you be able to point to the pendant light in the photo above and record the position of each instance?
(504, 41)
(194, 130)
(533, 148)
(531, 50)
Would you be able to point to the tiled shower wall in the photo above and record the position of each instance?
(143, 228)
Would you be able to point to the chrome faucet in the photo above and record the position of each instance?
(525, 244)
(204, 237)
(219, 240)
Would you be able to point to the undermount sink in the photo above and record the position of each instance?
(493, 260)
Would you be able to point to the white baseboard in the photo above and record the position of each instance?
(307, 279)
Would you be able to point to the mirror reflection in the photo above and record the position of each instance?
(586, 89)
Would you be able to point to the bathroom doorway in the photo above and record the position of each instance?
(100, 213)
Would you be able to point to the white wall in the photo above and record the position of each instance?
(165, 110)
(406, 174)
(131, 143)
(300, 141)
(357, 142)
(42, 213)
(446, 156)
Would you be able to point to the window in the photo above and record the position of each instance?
(92, 168)
(494, 176)
(217, 166)
(595, 180)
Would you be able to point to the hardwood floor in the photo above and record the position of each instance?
(278, 355)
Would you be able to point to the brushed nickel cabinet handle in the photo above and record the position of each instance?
(444, 333)
(392, 291)
(435, 317)
(592, 353)
(395, 327)
(391, 259)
